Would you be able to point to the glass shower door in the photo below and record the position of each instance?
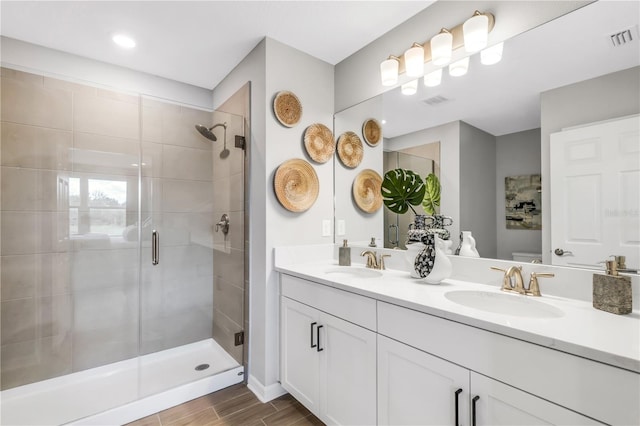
(178, 217)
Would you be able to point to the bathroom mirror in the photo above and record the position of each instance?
(495, 122)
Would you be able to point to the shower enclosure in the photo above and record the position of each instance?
(116, 285)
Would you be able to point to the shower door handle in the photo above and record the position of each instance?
(155, 247)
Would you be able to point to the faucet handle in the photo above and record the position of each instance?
(381, 264)
(534, 288)
(495, 268)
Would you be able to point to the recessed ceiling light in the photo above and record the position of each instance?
(124, 41)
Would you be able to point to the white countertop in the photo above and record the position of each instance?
(582, 330)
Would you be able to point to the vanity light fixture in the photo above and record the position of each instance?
(476, 32)
(459, 68)
(389, 70)
(473, 34)
(433, 79)
(414, 60)
(410, 88)
(124, 41)
(492, 55)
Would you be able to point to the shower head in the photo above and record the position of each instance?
(207, 131)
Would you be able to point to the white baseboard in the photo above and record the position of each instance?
(265, 393)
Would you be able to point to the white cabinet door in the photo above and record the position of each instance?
(595, 193)
(348, 373)
(300, 366)
(415, 388)
(500, 404)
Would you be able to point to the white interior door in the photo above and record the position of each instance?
(595, 193)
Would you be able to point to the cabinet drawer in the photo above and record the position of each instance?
(342, 304)
(605, 393)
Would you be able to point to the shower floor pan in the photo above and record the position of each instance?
(121, 392)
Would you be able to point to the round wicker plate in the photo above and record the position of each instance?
(318, 140)
(372, 132)
(366, 191)
(287, 108)
(296, 185)
(350, 149)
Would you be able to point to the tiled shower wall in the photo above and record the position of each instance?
(69, 292)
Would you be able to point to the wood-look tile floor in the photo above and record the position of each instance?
(235, 405)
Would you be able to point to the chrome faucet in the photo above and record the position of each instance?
(373, 262)
(512, 280)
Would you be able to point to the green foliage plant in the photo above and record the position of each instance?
(401, 190)
(432, 194)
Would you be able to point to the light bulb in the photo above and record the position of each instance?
(492, 55)
(441, 46)
(414, 61)
(433, 78)
(459, 68)
(389, 71)
(476, 32)
(410, 88)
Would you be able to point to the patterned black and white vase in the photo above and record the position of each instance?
(425, 260)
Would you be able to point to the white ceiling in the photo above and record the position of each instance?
(199, 42)
(505, 98)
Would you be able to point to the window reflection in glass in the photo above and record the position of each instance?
(97, 206)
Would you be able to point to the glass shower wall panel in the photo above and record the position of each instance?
(177, 169)
(69, 177)
(229, 247)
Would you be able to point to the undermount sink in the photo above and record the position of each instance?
(352, 272)
(505, 304)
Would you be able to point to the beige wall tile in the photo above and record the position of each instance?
(35, 147)
(26, 77)
(36, 275)
(178, 128)
(104, 269)
(186, 196)
(222, 194)
(35, 360)
(55, 315)
(19, 320)
(56, 83)
(223, 333)
(31, 189)
(34, 232)
(152, 159)
(228, 299)
(105, 116)
(109, 155)
(119, 96)
(186, 163)
(26, 103)
(96, 347)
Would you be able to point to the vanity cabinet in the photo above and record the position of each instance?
(418, 388)
(327, 363)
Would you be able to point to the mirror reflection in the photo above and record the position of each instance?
(496, 122)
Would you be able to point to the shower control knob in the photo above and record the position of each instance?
(224, 224)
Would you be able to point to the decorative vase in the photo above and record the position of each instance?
(413, 249)
(432, 263)
(418, 229)
(438, 224)
(442, 267)
(468, 245)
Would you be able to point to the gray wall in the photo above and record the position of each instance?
(602, 98)
(516, 154)
(477, 187)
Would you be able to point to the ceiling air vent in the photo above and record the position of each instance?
(623, 37)
(435, 100)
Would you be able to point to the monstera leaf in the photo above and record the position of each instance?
(401, 189)
(432, 194)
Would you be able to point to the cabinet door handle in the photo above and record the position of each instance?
(458, 392)
(313, 345)
(473, 410)
(319, 349)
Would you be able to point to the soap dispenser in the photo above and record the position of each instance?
(612, 292)
(344, 254)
